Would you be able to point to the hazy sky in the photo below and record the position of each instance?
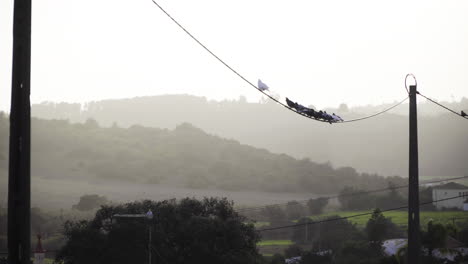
(316, 52)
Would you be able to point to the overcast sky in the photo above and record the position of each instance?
(316, 52)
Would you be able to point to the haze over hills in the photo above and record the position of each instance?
(377, 145)
(183, 157)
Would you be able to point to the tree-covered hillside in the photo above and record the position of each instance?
(185, 156)
(377, 145)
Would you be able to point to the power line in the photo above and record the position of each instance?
(443, 106)
(350, 216)
(376, 114)
(322, 221)
(254, 86)
(351, 194)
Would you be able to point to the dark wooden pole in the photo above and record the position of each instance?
(19, 183)
(414, 241)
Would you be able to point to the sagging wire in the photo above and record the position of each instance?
(254, 86)
(351, 194)
(462, 114)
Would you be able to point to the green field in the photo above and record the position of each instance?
(275, 243)
(401, 217)
(270, 247)
(261, 224)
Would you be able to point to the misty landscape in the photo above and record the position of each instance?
(110, 152)
(111, 142)
(233, 132)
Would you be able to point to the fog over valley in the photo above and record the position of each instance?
(378, 145)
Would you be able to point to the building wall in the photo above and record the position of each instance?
(438, 194)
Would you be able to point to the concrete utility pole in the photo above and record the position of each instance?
(414, 241)
(19, 177)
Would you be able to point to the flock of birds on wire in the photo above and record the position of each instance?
(322, 116)
(317, 115)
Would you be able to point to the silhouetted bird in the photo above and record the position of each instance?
(463, 114)
(301, 108)
(327, 117)
(291, 103)
(337, 118)
(319, 114)
(310, 112)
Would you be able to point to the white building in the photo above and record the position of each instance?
(447, 191)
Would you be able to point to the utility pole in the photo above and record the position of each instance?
(414, 241)
(149, 244)
(19, 176)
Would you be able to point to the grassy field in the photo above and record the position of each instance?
(401, 217)
(271, 247)
(275, 243)
(261, 224)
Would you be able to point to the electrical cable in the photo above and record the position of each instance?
(323, 221)
(350, 216)
(254, 86)
(376, 114)
(352, 194)
(443, 106)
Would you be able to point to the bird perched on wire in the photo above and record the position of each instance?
(262, 86)
(463, 114)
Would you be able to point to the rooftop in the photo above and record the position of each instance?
(451, 186)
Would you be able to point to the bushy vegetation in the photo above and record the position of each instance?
(90, 202)
(188, 231)
(341, 241)
(352, 198)
(46, 223)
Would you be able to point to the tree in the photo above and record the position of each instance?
(206, 231)
(351, 201)
(91, 123)
(89, 202)
(274, 214)
(390, 200)
(294, 210)
(316, 205)
(334, 233)
(434, 237)
(379, 227)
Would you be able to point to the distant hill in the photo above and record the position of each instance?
(185, 156)
(377, 145)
